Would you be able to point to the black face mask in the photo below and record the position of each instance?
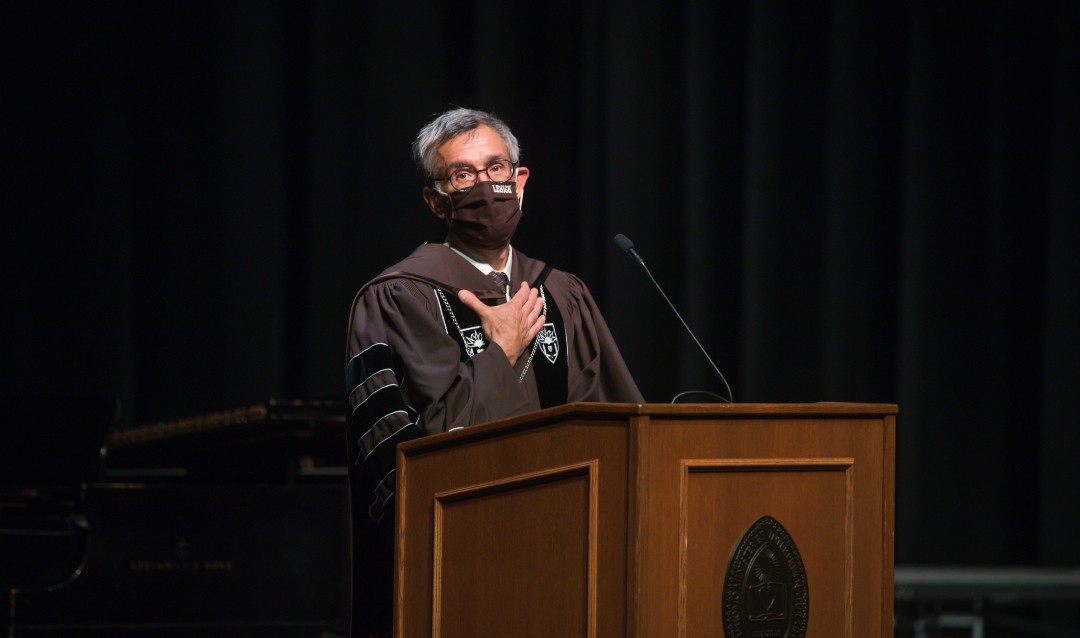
(486, 215)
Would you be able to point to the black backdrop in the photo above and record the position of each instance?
(849, 202)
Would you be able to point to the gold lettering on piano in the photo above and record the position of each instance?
(150, 565)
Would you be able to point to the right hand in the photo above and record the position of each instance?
(514, 324)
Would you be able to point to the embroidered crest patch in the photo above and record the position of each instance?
(474, 339)
(549, 342)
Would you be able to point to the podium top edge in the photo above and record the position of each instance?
(662, 409)
(657, 411)
(824, 408)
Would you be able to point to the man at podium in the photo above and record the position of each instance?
(463, 332)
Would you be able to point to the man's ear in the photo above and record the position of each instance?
(521, 177)
(437, 202)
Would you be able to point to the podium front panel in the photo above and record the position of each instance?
(722, 500)
(487, 537)
(704, 484)
(523, 534)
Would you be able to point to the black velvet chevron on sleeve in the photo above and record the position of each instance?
(378, 419)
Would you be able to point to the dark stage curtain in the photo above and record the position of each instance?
(848, 201)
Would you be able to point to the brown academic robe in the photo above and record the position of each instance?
(448, 393)
(407, 376)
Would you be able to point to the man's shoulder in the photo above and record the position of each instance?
(431, 265)
(570, 285)
(562, 280)
(427, 260)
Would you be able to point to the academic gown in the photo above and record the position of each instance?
(447, 393)
(409, 374)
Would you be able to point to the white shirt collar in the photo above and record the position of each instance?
(484, 267)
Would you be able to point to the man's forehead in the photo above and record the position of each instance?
(482, 143)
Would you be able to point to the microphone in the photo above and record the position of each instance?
(623, 242)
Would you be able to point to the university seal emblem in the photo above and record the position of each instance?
(549, 342)
(766, 594)
(474, 340)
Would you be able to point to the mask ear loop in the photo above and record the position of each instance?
(446, 196)
(453, 209)
(521, 193)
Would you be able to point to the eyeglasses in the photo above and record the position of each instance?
(464, 178)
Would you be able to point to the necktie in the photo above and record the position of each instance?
(501, 279)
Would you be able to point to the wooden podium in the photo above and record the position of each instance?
(599, 520)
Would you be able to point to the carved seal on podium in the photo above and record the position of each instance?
(766, 594)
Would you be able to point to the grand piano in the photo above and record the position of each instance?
(233, 523)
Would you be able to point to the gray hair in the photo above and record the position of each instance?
(448, 126)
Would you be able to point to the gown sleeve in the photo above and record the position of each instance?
(446, 392)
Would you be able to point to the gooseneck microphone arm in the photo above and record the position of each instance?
(623, 242)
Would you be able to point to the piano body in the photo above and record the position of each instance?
(233, 524)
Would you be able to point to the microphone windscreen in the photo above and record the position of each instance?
(623, 242)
